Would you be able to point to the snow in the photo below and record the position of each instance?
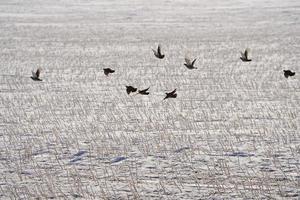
(231, 133)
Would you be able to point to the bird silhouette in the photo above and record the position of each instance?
(189, 64)
(244, 55)
(36, 75)
(107, 71)
(158, 53)
(144, 92)
(288, 73)
(171, 94)
(130, 89)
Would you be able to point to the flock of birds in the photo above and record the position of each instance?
(158, 54)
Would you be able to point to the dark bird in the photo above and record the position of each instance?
(108, 71)
(288, 73)
(36, 75)
(171, 94)
(189, 64)
(244, 56)
(158, 53)
(144, 92)
(130, 89)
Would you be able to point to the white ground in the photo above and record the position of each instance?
(232, 133)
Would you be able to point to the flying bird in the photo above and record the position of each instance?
(108, 71)
(288, 73)
(130, 89)
(144, 92)
(189, 64)
(158, 53)
(171, 94)
(36, 75)
(244, 55)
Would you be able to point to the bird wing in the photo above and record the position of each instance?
(33, 74)
(145, 89)
(105, 71)
(38, 71)
(247, 53)
(154, 51)
(128, 89)
(173, 91)
(194, 61)
(187, 60)
(243, 55)
(159, 49)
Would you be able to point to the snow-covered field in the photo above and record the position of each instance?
(232, 132)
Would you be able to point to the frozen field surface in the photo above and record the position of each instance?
(232, 132)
